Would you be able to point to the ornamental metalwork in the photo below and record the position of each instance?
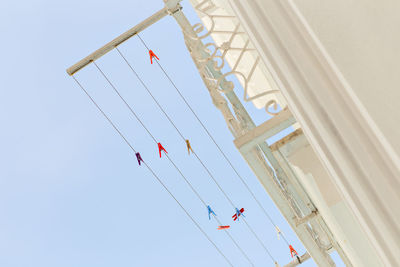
(232, 53)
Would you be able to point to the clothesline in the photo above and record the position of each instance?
(161, 148)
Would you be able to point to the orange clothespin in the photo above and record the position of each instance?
(189, 147)
(160, 147)
(151, 53)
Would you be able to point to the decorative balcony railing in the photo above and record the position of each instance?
(230, 44)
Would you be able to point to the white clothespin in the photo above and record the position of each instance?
(278, 232)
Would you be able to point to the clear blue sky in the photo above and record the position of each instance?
(71, 193)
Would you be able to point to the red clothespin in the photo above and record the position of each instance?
(151, 53)
(222, 227)
(293, 252)
(238, 213)
(160, 147)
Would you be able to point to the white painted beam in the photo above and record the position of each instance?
(170, 5)
(307, 218)
(259, 134)
(295, 262)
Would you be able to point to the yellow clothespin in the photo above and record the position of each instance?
(189, 147)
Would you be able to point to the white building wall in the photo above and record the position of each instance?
(336, 64)
(363, 40)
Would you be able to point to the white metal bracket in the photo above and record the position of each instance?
(171, 7)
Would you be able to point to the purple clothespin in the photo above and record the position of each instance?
(139, 158)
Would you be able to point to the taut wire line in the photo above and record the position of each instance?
(215, 143)
(172, 162)
(152, 172)
(181, 135)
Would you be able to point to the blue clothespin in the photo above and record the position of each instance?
(209, 212)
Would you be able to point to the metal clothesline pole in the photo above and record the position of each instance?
(170, 7)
